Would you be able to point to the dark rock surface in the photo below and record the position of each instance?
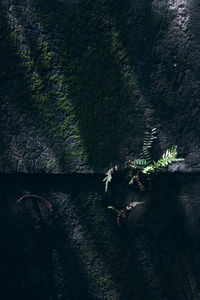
(78, 82)
(82, 79)
(174, 83)
(79, 252)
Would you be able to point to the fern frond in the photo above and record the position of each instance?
(149, 137)
(169, 157)
(108, 176)
(111, 207)
(139, 163)
(132, 180)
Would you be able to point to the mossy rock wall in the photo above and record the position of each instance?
(80, 79)
(68, 77)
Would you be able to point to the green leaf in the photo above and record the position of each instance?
(167, 158)
(108, 176)
(111, 207)
(132, 180)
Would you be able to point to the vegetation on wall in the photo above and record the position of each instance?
(141, 170)
(144, 166)
(78, 90)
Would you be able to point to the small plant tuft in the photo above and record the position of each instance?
(169, 157)
(141, 169)
(122, 213)
(108, 177)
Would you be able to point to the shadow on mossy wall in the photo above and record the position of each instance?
(78, 71)
(76, 81)
(150, 26)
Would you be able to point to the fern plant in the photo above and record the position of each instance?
(108, 176)
(145, 157)
(144, 166)
(141, 169)
(169, 157)
(122, 213)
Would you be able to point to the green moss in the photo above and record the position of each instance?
(47, 55)
(14, 83)
(36, 84)
(81, 86)
(29, 86)
(51, 166)
(97, 71)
